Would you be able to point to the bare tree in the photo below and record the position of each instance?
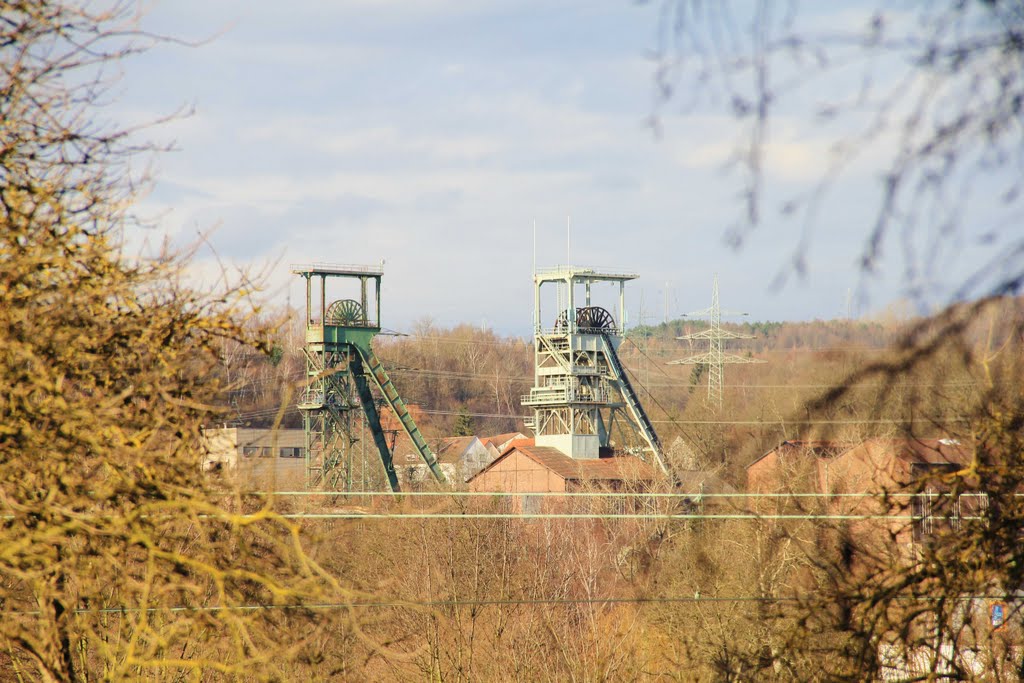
(927, 96)
(117, 559)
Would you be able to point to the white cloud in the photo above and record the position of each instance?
(433, 134)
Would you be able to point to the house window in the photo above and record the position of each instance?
(249, 451)
(291, 452)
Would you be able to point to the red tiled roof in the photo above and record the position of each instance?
(926, 451)
(451, 449)
(818, 449)
(499, 439)
(585, 469)
(516, 444)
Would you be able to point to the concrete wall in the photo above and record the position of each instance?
(248, 443)
(269, 442)
(573, 445)
(262, 458)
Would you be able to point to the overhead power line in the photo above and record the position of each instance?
(605, 494)
(620, 516)
(448, 374)
(764, 423)
(496, 602)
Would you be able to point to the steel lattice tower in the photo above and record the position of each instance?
(580, 385)
(716, 358)
(339, 359)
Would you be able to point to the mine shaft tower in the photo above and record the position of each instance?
(580, 386)
(339, 358)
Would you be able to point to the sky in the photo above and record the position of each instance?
(459, 142)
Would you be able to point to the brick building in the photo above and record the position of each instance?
(524, 469)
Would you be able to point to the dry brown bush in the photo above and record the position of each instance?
(117, 560)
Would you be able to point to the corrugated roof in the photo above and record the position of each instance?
(517, 443)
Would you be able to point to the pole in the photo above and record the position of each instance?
(666, 303)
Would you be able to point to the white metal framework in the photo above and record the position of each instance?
(580, 386)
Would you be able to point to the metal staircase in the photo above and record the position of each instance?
(637, 411)
(391, 395)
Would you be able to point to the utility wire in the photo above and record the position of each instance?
(671, 419)
(449, 374)
(413, 604)
(604, 494)
(649, 516)
(615, 516)
(397, 369)
(764, 422)
(665, 352)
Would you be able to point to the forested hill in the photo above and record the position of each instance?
(775, 336)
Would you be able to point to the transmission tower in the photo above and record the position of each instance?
(715, 358)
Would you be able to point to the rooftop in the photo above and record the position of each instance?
(817, 449)
(924, 451)
(501, 439)
(581, 274)
(619, 468)
(453, 448)
(338, 269)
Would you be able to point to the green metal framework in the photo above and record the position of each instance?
(339, 358)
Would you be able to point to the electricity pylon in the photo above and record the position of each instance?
(715, 358)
